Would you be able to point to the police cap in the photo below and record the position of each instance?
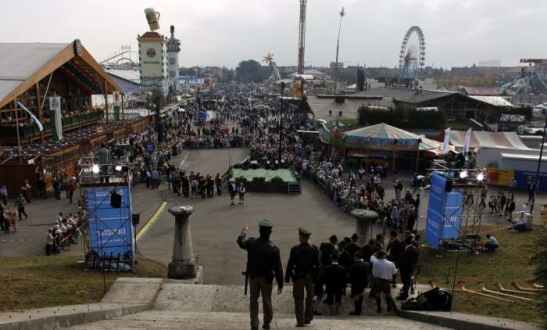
(265, 224)
(303, 231)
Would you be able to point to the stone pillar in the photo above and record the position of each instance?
(183, 264)
(365, 219)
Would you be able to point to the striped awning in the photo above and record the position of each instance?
(507, 140)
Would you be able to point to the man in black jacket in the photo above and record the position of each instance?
(303, 270)
(394, 249)
(344, 258)
(263, 264)
(358, 277)
(334, 277)
(407, 260)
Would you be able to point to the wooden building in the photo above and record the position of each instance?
(31, 73)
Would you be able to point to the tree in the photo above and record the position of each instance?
(249, 71)
(227, 75)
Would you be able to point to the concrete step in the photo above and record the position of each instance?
(166, 320)
(230, 299)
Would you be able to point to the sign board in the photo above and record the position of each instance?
(444, 212)
(110, 229)
(150, 147)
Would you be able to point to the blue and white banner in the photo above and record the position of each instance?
(444, 212)
(110, 229)
(38, 123)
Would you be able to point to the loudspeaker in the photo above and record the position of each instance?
(136, 219)
(115, 200)
(448, 186)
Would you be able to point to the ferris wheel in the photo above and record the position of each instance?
(412, 55)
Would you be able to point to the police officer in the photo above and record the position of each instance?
(303, 269)
(263, 263)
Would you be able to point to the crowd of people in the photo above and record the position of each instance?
(364, 190)
(327, 270)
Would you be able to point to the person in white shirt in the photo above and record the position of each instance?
(382, 271)
(492, 244)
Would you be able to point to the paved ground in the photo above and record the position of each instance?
(215, 225)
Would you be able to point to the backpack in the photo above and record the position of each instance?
(433, 300)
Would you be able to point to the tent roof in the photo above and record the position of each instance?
(382, 131)
(496, 101)
(22, 65)
(504, 140)
(20, 61)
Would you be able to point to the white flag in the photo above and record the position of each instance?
(38, 123)
(467, 141)
(446, 140)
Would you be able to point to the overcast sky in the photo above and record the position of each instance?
(224, 32)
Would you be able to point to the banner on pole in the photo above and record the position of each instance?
(56, 117)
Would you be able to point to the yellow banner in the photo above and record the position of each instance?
(499, 177)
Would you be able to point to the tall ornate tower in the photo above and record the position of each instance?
(173, 50)
(153, 55)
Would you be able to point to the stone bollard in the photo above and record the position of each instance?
(183, 264)
(365, 219)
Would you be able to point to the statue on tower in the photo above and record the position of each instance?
(153, 18)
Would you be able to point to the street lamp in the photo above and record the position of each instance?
(282, 86)
(544, 112)
(342, 14)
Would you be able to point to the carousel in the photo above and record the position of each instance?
(381, 143)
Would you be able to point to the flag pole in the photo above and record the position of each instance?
(17, 129)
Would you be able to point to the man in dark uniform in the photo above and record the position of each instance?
(303, 269)
(335, 279)
(263, 264)
(354, 245)
(327, 249)
(344, 258)
(358, 277)
(406, 262)
(394, 249)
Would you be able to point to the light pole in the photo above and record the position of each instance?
(544, 112)
(282, 86)
(342, 13)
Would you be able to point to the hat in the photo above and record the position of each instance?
(303, 231)
(265, 224)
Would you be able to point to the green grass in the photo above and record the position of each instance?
(511, 262)
(35, 282)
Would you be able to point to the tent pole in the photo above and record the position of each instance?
(417, 160)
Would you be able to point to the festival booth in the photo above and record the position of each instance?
(504, 155)
(380, 141)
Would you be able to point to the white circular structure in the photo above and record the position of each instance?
(412, 54)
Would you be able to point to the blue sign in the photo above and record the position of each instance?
(522, 178)
(444, 212)
(435, 210)
(150, 147)
(110, 229)
(452, 219)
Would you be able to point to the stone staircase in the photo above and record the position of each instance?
(187, 306)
